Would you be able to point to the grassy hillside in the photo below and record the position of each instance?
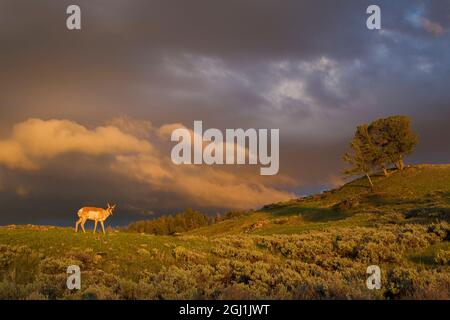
(312, 248)
(410, 196)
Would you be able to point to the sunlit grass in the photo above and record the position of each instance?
(312, 248)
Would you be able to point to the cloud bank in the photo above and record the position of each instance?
(132, 151)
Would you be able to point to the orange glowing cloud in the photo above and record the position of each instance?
(134, 155)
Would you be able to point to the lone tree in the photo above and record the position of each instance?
(394, 138)
(376, 146)
(363, 154)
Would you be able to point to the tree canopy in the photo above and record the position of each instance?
(380, 144)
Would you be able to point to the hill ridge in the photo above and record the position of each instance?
(417, 193)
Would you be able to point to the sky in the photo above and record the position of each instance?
(86, 115)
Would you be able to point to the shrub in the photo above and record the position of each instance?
(442, 257)
(169, 225)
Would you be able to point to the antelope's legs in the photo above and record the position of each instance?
(103, 227)
(95, 226)
(82, 225)
(76, 225)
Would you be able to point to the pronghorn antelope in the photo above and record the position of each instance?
(95, 214)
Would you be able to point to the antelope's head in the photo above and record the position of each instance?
(110, 208)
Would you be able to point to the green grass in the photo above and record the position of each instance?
(118, 248)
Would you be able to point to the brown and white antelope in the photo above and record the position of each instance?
(95, 214)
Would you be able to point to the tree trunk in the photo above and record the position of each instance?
(400, 165)
(370, 180)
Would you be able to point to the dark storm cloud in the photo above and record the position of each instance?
(310, 68)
